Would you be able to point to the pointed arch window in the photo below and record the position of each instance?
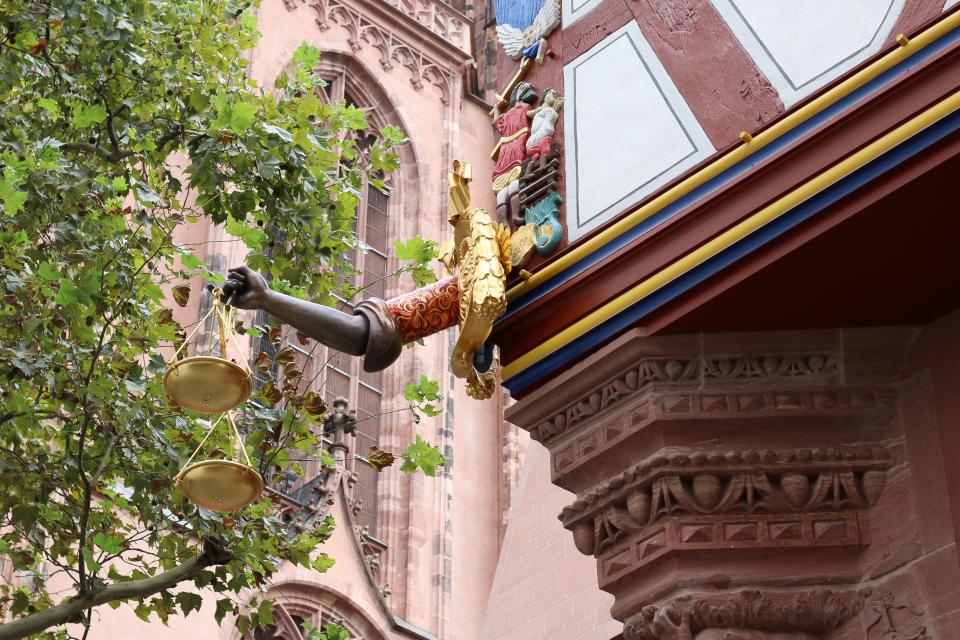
(293, 626)
(345, 376)
(336, 374)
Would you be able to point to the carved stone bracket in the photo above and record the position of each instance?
(808, 614)
(394, 50)
(707, 464)
(723, 482)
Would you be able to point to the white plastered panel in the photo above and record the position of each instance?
(950, 3)
(801, 46)
(627, 130)
(573, 10)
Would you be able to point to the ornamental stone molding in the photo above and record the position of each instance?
(730, 534)
(398, 44)
(742, 483)
(438, 17)
(747, 615)
(790, 369)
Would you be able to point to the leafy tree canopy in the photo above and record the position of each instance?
(103, 100)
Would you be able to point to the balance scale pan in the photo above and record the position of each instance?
(221, 485)
(206, 384)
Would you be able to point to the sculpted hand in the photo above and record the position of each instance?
(248, 287)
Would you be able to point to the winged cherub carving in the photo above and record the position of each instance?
(523, 34)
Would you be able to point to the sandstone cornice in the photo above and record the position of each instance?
(716, 371)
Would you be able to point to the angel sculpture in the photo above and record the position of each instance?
(523, 26)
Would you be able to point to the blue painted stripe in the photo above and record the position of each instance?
(735, 171)
(622, 321)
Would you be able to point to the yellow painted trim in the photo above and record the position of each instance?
(732, 157)
(735, 233)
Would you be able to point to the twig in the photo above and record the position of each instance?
(86, 147)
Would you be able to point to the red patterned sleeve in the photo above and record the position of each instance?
(427, 310)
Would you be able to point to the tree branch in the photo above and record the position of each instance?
(82, 440)
(69, 610)
(104, 460)
(169, 137)
(118, 154)
(86, 147)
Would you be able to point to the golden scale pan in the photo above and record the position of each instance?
(221, 485)
(209, 384)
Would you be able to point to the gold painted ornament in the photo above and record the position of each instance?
(221, 485)
(205, 383)
(481, 254)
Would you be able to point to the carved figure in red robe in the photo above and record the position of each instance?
(511, 151)
(513, 127)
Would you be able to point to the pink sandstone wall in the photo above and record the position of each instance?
(544, 588)
(475, 512)
(442, 532)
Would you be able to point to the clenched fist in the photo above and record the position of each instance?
(248, 288)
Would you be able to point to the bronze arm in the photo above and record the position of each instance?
(369, 332)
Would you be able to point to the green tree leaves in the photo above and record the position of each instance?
(330, 631)
(419, 254)
(11, 196)
(422, 394)
(85, 116)
(233, 114)
(100, 97)
(421, 455)
(110, 544)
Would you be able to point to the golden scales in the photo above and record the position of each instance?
(221, 485)
(209, 384)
